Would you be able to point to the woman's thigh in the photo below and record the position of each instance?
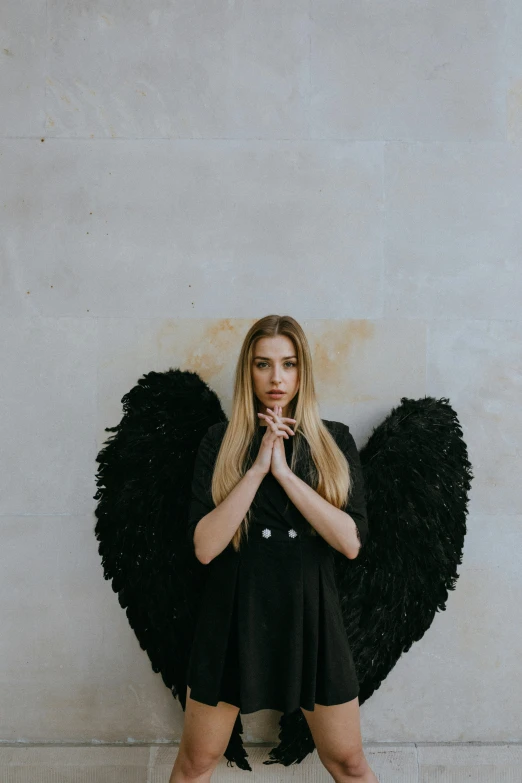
(336, 731)
(206, 733)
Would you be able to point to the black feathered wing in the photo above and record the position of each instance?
(417, 478)
(144, 505)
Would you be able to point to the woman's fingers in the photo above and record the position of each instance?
(273, 426)
(285, 426)
(278, 410)
(279, 419)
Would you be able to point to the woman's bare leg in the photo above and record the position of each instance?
(336, 731)
(206, 734)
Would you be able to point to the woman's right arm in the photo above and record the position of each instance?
(215, 530)
(211, 527)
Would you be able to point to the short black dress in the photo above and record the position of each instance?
(269, 631)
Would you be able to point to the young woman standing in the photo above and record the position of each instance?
(275, 490)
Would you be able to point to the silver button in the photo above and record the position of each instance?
(267, 532)
(292, 533)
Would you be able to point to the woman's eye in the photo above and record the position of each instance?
(292, 364)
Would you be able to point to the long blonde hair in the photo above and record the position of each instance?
(327, 468)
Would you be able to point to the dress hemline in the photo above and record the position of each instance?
(285, 711)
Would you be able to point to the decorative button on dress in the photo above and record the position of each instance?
(269, 631)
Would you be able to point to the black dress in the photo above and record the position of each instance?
(269, 631)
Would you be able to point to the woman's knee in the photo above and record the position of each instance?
(195, 762)
(352, 762)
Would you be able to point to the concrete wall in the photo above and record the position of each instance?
(172, 172)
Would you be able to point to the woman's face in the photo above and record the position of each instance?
(274, 367)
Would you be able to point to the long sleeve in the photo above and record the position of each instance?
(356, 506)
(201, 502)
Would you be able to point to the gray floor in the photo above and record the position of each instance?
(408, 763)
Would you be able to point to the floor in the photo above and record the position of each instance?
(407, 763)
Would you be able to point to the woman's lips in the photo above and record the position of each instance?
(276, 394)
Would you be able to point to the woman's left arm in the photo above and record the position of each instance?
(344, 529)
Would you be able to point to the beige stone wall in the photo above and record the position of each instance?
(172, 172)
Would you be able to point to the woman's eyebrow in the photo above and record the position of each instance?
(268, 358)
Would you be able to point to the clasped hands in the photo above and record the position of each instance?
(276, 423)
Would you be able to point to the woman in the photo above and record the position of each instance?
(275, 490)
